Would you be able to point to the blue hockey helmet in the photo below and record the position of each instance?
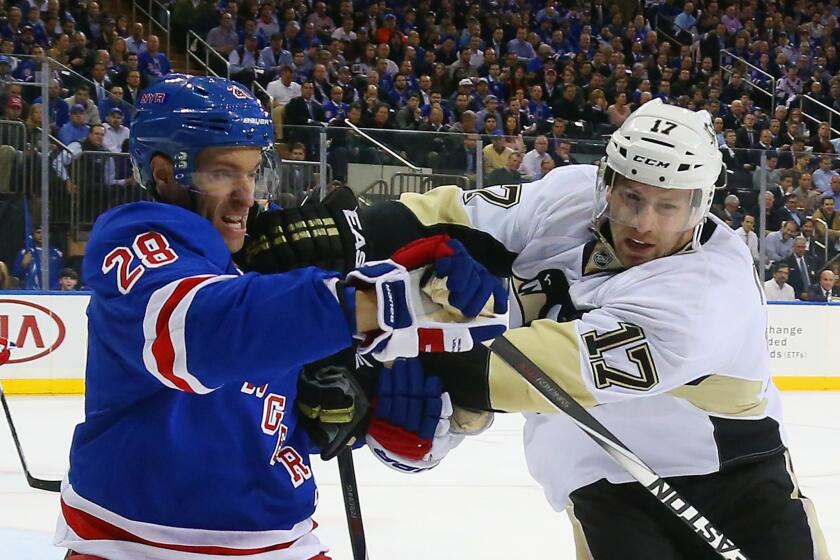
(180, 115)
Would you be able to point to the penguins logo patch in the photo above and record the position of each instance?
(602, 259)
(538, 295)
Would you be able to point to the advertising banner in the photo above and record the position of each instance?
(48, 332)
(48, 336)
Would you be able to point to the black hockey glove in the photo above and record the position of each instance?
(326, 234)
(334, 407)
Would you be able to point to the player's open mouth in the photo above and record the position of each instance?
(235, 223)
(639, 245)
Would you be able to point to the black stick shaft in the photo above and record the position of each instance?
(352, 508)
(40, 484)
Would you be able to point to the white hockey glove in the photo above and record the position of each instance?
(409, 321)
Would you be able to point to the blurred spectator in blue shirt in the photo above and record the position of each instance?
(25, 71)
(250, 30)
(834, 191)
(520, 46)
(59, 111)
(223, 37)
(822, 176)
(76, 129)
(114, 100)
(320, 19)
(335, 107)
(274, 56)
(6, 73)
(267, 24)
(537, 108)
(550, 12)
(136, 43)
(494, 81)
(398, 96)
(544, 54)
(11, 28)
(686, 20)
(27, 265)
(153, 63)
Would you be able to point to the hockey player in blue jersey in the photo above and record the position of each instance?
(191, 445)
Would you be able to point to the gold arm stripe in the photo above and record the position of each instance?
(441, 205)
(724, 395)
(554, 348)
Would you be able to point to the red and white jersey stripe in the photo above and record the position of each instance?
(87, 528)
(164, 328)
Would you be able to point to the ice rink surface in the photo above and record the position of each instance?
(479, 504)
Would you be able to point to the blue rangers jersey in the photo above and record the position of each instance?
(190, 442)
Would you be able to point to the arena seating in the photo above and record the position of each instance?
(432, 83)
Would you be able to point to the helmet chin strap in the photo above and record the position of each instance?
(158, 197)
(698, 231)
(152, 188)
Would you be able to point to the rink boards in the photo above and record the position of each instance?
(49, 331)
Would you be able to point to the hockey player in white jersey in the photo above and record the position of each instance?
(647, 310)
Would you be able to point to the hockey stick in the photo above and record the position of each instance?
(39, 483)
(350, 491)
(660, 489)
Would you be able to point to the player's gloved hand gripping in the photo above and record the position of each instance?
(404, 415)
(413, 426)
(334, 406)
(414, 314)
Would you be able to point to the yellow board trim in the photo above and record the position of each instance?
(43, 386)
(807, 383)
(77, 386)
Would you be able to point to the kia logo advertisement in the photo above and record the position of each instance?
(32, 330)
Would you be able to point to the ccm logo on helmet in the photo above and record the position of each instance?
(650, 161)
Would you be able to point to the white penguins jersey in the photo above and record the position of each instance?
(669, 355)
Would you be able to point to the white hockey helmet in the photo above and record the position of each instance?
(667, 147)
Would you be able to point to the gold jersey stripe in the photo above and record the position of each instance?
(554, 348)
(729, 396)
(582, 551)
(441, 205)
(817, 536)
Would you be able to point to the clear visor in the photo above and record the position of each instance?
(258, 178)
(244, 172)
(648, 208)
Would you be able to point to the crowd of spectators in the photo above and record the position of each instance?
(525, 82)
(438, 81)
(100, 67)
(100, 64)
